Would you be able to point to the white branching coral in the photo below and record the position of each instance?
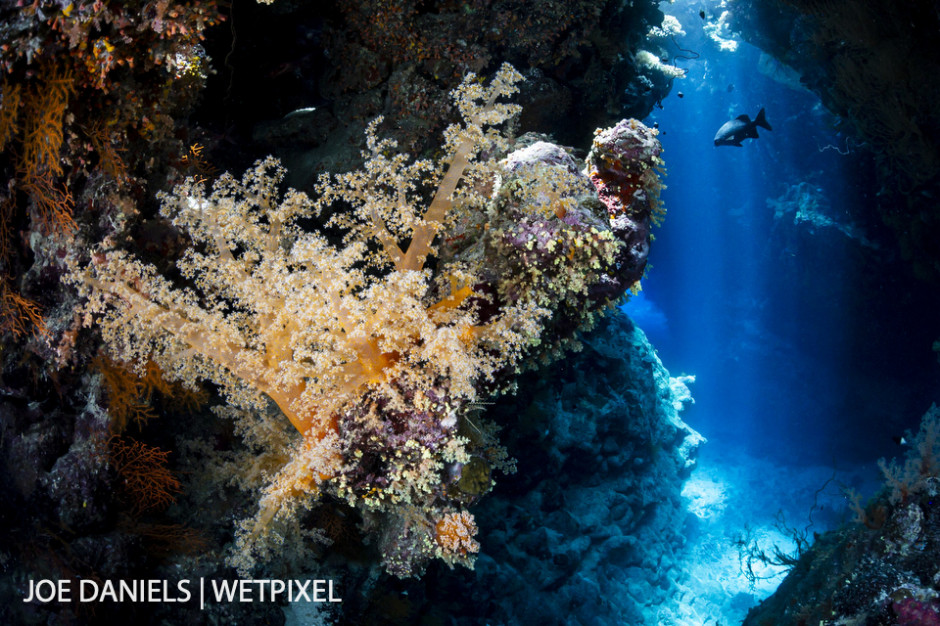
(671, 27)
(645, 58)
(385, 194)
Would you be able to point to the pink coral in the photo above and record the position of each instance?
(914, 612)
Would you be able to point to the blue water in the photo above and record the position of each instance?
(781, 332)
(768, 323)
(710, 275)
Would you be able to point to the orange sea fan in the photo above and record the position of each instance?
(45, 105)
(146, 480)
(19, 315)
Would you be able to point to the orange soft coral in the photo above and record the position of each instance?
(277, 312)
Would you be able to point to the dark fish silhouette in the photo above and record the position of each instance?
(733, 132)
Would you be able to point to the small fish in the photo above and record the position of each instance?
(900, 440)
(681, 95)
(701, 14)
(733, 132)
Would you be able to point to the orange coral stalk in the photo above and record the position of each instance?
(126, 394)
(109, 161)
(454, 534)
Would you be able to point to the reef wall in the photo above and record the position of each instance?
(871, 64)
(134, 270)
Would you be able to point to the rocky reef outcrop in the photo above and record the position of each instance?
(589, 530)
(302, 79)
(881, 569)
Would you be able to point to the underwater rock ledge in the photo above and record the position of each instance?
(589, 530)
(883, 567)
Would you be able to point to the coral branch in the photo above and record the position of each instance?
(19, 315)
(146, 479)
